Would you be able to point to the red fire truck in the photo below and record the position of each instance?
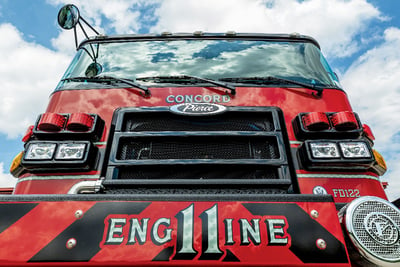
(198, 149)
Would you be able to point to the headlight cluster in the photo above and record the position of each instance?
(328, 154)
(60, 142)
(53, 155)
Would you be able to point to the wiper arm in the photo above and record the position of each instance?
(172, 78)
(272, 79)
(101, 79)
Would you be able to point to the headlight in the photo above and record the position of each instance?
(324, 150)
(354, 150)
(59, 156)
(40, 151)
(336, 154)
(70, 151)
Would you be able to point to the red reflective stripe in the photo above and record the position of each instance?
(26, 237)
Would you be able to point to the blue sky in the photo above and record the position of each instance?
(360, 39)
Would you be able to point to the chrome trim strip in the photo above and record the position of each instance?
(348, 176)
(58, 177)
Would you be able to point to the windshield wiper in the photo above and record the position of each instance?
(189, 78)
(273, 79)
(104, 79)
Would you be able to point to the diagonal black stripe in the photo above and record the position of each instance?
(10, 213)
(304, 232)
(88, 232)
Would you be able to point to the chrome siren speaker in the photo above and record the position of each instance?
(373, 226)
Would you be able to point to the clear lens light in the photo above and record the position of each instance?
(40, 151)
(324, 150)
(70, 151)
(355, 150)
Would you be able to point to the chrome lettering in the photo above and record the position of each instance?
(178, 99)
(276, 232)
(156, 238)
(115, 226)
(138, 231)
(249, 231)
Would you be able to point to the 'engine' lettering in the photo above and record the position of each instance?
(131, 230)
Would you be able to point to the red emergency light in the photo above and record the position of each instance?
(80, 122)
(315, 121)
(51, 122)
(344, 121)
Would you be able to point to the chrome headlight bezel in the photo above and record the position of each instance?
(56, 163)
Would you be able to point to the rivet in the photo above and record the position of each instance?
(78, 214)
(321, 244)
(71, 243)
(314, 214)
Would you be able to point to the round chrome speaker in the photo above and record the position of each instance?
(373, 226)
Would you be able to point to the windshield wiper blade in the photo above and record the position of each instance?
(175, 78)
(101, 79)
(273, 79)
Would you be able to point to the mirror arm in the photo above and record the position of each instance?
(76, 38)
(90, 26)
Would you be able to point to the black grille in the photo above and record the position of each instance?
(233, 121)
(222, 147)
(243, 150)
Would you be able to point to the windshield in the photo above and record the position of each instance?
(211, 59)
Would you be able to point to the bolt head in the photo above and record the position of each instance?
(314, 214)
(71, 243)
(78, 214)
(321, 244)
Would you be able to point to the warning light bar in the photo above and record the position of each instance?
(75, 126)
(327, 125)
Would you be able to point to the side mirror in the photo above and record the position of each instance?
(68, 17)
(93, 70)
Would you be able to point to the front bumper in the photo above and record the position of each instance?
(120, 230)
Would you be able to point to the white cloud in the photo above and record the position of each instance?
(6, 179)
(28, 74)
(120, 13)
(333, 23)
(373, 86)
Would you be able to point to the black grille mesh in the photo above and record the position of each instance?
(165, 121)
(222, 147)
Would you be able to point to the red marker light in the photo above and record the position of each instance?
(51, 122)
(344, 121)
(80, 122)
(315, 121)
(368, 132)
(28, 134)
